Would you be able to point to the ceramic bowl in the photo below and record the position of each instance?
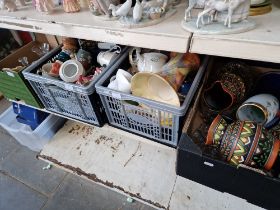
(71, 70)
(154, 87)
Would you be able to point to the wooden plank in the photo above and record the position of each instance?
(262, 43)
(167, 35)
(134, 165)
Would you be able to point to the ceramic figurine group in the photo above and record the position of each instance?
(10, 5)
(222, 17)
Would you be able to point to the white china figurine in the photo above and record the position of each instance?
(146, 13)
(46, 6)
(71, 6)
(8, 4)
(123, 10)
(223, 17)
(137, 11)
(100, 8)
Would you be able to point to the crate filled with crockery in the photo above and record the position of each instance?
(12, 83)
(64, 79)
(149, 92)
(230, 141)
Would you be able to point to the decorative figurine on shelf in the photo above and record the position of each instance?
(100, 8)
(21, 2)
(223, 17)
(46, 6)
(123, 10)
(137, 11)
(84, 3)
(143, 14)
(71, 6)
(8, 4)
(198, 4)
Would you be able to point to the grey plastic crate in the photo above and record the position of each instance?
(147, 120)
(75, 101)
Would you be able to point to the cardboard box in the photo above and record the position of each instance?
(195, 161)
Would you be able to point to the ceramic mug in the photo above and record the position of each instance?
(260, 108)
(105, 58)
(121, 81)
(71, 70)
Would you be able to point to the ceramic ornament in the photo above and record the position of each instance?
(143, 14)
(21, 2)
(8, 4)
(46, 6)
(84, 3)
(101, 8)
(218, 17)
(244, 142)
(71, 6)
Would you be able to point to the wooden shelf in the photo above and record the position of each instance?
(262, 43)
(168, 35)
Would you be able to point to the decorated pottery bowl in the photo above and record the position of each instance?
(244, 142)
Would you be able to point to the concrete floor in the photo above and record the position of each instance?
(25, 185)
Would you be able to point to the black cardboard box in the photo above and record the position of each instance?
(197, 165)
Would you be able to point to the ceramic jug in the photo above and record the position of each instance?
(244, 142)
(147, 62)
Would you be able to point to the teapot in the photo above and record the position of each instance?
(147, 62)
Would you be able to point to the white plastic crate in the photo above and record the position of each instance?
(33, 139)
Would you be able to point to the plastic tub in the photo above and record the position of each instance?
(33, 139)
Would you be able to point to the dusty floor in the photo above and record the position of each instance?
(25, 185)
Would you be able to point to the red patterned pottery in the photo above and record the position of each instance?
(244, 142)
(225, 93)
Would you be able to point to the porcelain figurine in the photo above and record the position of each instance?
(46, 6)
(261, 109)
(193, 4)
(123, 10)
(84, 3)
(223, 17)
(244, 142)
(137, 11)
(148, 62)
(143, 14)
(8, 4)
(101, 8)
(21, 2)
(70, 6)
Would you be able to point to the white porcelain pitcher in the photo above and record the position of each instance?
(147, 62)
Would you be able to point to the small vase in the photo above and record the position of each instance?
(244, 142)
(71, 6)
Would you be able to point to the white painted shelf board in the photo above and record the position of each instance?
(167, 35)
(132, 165)
(261, 43)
